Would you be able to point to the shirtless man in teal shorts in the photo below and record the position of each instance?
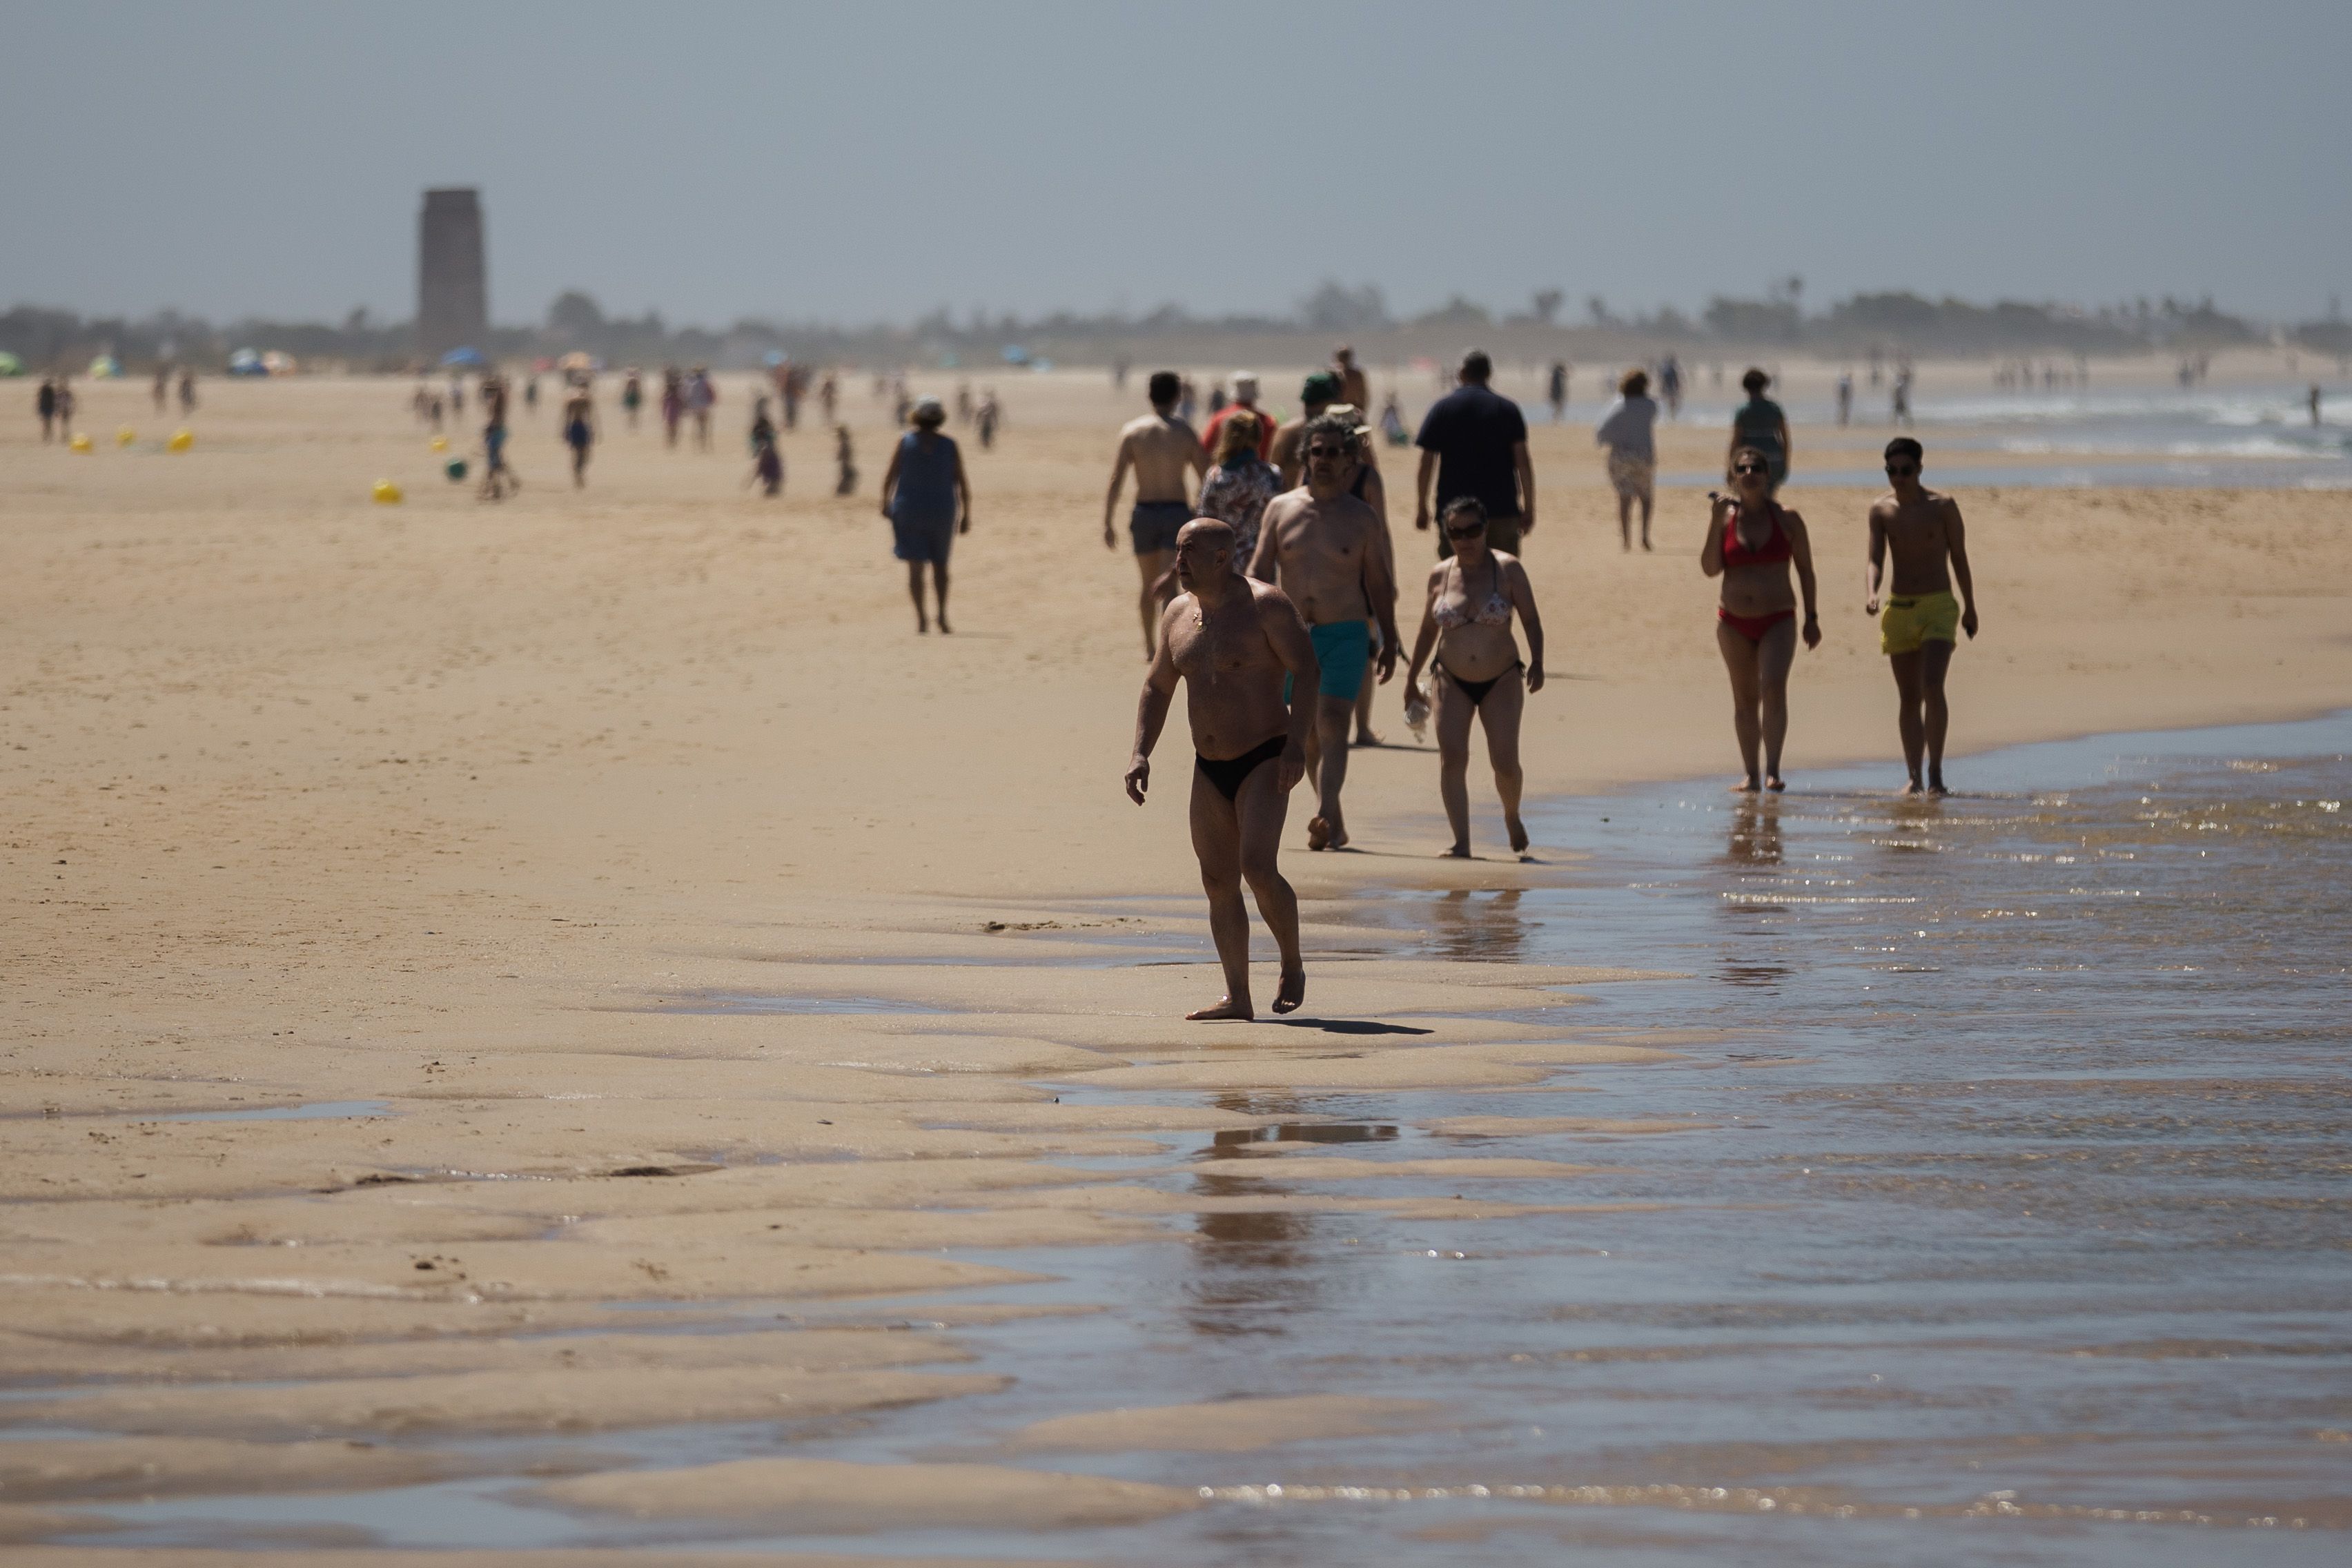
(1326, 550)
(1916, 631)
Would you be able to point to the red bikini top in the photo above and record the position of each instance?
(1737, 553)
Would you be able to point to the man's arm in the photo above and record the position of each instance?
(1874, 570)
(1787, 449)
(890, 476)
(1800, 552)
(1262, 560)
(1286, 635)
(1956, 537)
(1126, 460)
(1421, 490)
(963, 488)
(1526, 465)
(1151, 711)
(1380, 593)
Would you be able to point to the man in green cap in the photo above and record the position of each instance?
(1321, 391)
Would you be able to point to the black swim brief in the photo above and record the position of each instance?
(1230, 773)
(1154, 524)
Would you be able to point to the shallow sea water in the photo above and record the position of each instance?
(1993, 1210)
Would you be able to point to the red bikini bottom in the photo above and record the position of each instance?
(1753, 627)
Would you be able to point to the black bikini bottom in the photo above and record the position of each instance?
(1228, 773)
(1477, 690)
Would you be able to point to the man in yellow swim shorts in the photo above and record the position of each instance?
(1918, 627)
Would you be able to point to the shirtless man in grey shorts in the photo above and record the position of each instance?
(1232, 640)
(1165, 455)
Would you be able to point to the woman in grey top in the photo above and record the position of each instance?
(1624, 429)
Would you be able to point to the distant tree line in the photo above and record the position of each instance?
(45, 338)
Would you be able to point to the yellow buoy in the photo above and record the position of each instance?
(386, 492)
(124, 437)
(181, 441)
(79, 443)
(440, 442)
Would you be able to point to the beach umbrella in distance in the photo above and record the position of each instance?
(465, 356)
(246, 362)
(386, 493)
(182, 439)
(10, 364)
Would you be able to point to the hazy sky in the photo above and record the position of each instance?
(875, 160)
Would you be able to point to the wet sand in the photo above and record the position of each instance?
(690, 968)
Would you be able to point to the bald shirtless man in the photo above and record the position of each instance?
(1165, 455)
(1328, 550)
(1923, 529)
(1234, 642)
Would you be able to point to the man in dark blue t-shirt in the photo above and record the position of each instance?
(1474, 443)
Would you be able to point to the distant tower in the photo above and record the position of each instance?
(453, 303)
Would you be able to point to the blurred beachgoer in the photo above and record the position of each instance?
(1393, 422)
(1473, 442)
(1244, 398)
(766, 464)
(632, 396)
(1355, 387)
(1216, 401)
(457, 396)
(1236, 643)
(1164, 453)
(1670, 386)
(1319, 391)
(433, 411)
(844, 458)
(1325, 548)
(1188, 399)
(1236, 491)
(1556, 390)
(65, 402)
(1751, 542)
(45, 404)
(700, 393)
(796, 380)
(828, 395)
(1923, 530)
(187, 390)
(579, 431)
(990, 413)
(1760, 424)
(163, 389)
(673, 402)
(1845, 396)
(763, 427)
(963, 402)
(922, 490)
(1466, 618)
(531, 392)
(1626, 430)
(1903, 396)
(902, 401)
(421, 404)
(1119, 374)
(2314, 405)
(499, 480)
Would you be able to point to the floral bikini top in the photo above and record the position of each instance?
(1494, 612)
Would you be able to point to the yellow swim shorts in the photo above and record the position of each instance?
(1907, 621)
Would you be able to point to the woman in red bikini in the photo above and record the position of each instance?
(1751, 542)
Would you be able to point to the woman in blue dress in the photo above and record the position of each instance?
(928, 502)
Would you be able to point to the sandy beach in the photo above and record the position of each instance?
(577, 967)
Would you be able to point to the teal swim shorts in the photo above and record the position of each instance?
(1342, 648)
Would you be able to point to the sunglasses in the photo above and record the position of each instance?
(1902, 470)
(1473, 532)
(1751, 468)
(1327, 451)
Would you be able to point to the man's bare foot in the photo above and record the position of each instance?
(1227, 1008)
(1339, 839)
(1774, 783)
(1913, 788)
(1936, 785)
(1366, 737)
(1748, 785)
(921, 626)
(1518, 832)
(1319, 833)
(945, 630)
(1292, 992)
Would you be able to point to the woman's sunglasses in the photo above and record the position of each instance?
(1751, 468)
(1471, 531)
